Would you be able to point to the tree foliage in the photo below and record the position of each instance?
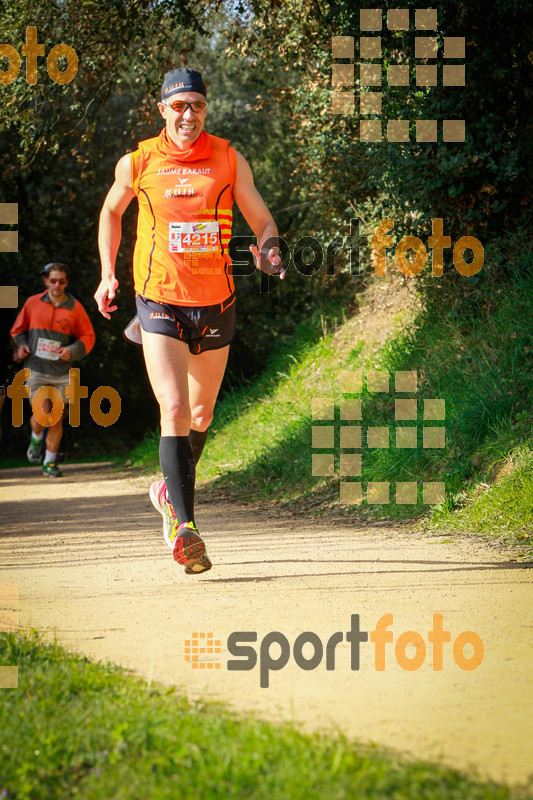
(481, 184)
(268, 67)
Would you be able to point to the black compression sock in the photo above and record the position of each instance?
(197, 440)
(177, 463)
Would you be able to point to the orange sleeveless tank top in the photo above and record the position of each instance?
(185, 216)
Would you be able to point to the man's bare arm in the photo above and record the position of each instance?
(110, 232)
(258, 217)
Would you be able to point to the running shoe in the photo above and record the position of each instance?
(187, 546)
(34, 452)
(51, 470)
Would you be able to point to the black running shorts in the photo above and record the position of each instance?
(201, 327)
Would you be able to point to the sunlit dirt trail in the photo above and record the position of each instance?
(92, 567)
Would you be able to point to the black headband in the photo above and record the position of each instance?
(182, 80)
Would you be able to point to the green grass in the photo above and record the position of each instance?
(476, 355)
(504, 509)
(76, 729)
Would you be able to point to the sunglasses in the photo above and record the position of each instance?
(179, 106)
(61, 281)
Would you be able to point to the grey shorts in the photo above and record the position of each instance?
(38, 379)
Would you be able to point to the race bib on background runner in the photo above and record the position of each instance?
(193, 237)
(48, 349)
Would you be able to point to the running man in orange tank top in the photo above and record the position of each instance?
(185, 182)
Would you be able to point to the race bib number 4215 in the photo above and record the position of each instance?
(193, 237)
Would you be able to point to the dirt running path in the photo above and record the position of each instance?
(91, 565)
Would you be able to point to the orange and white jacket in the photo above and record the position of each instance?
(67, 325)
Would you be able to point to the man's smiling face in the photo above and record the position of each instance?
(183, 127)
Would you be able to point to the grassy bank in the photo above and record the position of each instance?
(74, 728)
(476, 355)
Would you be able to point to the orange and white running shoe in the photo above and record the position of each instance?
(188, 547)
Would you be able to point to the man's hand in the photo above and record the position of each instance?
(64, 353)
(269, 261)
(21, 353)
(104, 296)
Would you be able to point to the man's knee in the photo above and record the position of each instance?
(175, 411)
(201, 418)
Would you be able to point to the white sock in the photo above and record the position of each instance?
(37, 437)
(49, 457)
